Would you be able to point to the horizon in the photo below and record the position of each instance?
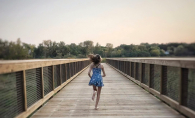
(103, 45)
(111, 21)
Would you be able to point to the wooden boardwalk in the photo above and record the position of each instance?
(120, 98)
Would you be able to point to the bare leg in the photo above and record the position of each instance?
(98, 97)
(94, 92)
(94, 88)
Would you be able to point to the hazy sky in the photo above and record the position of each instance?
(104, 21)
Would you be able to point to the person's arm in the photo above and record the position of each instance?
(89, 72)
(104, 74)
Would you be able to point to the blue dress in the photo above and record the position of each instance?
(96, 78)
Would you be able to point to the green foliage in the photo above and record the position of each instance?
(103, 60)
(162, 52)
(57, 50)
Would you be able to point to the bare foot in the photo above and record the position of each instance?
(96, 108)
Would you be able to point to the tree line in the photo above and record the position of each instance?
(53, 49)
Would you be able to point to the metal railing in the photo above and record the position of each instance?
(170, 79)
(26, 85)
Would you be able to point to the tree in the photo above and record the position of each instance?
(155, 51)
(52, 49)
(39, 51)
(109, 47)
(73, 49)
(89, 46)
(181, 51)
(162, 52)
(30, 49)
(98, 49)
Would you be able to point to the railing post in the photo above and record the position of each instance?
(143, 72)
(42, 82)
(66, 72)
(183, 92)
(69, 71)
(117, 64)
(141, 80)
(134, 70)
(75, 67)
(129, 68)
(137, 71)
(123, 66)
(53, 77)
(80, 66)
(151, 76)
(163, 81)
(126, 68)
(60, 74)
(70, 68)
(24, 92)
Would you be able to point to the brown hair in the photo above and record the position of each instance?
(95, 58)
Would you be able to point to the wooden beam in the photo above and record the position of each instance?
(24, 90)
(176, 62)
(141, 73)
(183, 88)
(60, 74)
(53, 77)
(66, 72)
(20, 65)
(42, 82)
(163, 80)
(134, 70)
(151, 75)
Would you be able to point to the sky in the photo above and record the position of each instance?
(103, 21)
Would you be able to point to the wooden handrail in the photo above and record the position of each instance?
(183, 65)
(36, 81)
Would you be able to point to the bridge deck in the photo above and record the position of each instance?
(120, 98)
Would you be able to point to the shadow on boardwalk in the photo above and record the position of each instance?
(120, 98)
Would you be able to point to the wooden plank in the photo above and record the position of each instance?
(176, 62)
(120, 98)
(20, 65)
(39, 103)
(188, 112)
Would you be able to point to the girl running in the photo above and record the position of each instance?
(96, 79)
